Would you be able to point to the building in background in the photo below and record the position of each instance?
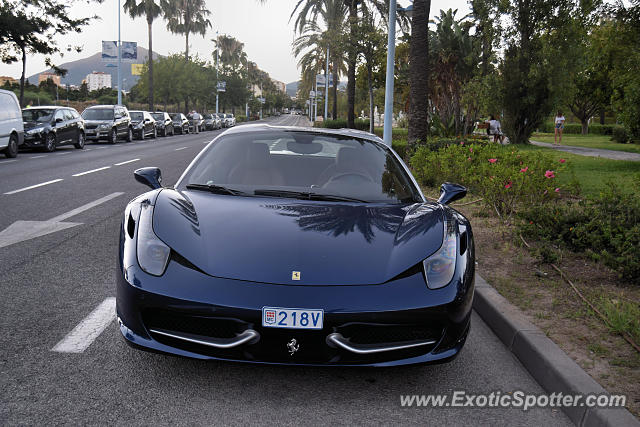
(281, 86)
(7, 79)
(43, 77)
(98, 80)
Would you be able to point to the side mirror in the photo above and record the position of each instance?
(151, 177)
(59, 120)
(450, 192)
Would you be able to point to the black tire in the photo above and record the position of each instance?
(142, 134)
(129, 135)
(113, 136)
(12, 149)
(50, 142)
(80, 144)
(154, 135)
(173, 130)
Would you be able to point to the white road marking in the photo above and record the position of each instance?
(37, 157)
(101, 148)
(81, 337)
(20, 231)
(124, 163)
(62, 154)
(181, 148)
(91, 171)
(33, 186)
(7, 161)
(88, 206)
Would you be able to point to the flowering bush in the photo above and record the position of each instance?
(505, 177)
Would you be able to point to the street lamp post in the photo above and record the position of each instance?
(326, 88)
(388, 91)
(119, 58)
(217, 66)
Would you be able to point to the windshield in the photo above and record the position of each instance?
(175, 117)
(136, 116)
(158, 116)
(303, 165)
(39, 115)
(98, 114)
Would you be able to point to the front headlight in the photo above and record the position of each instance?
(104, 126)
(439, 267)
(34, 131)
(153, 253)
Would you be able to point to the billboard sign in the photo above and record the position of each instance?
(110, 51)
(222, 86)
(136, 69)
(320, 80)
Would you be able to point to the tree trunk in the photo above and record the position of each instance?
(369, 83)
(418, 73)
(602, 116)
(24, 67)
(186, 47)
(585, 126)
(149, 23)
(351, 69)
(335, 95)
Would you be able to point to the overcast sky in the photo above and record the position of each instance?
(264, 30)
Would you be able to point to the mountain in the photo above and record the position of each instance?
(78, 70)
(292, 88)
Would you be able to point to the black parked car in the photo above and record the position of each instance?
(164, 124)
(143, 124)
(180, 123)
(49, 127)
(108, 122)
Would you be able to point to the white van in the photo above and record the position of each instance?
(11, 129)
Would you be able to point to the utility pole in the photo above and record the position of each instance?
(326, 88)
(261, 98)
(391, 59)
(217, 66)
(120, 56)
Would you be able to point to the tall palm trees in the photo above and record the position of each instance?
(187, 17)
(150, 9)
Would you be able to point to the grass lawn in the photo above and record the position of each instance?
(589, 141)
(593, 173)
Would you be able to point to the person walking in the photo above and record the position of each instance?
(557, 138)
(495, 129)
(196, 121)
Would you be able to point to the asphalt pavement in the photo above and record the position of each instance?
(58, 250)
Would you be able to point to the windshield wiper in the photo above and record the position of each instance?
(213, 188)
(305, 195)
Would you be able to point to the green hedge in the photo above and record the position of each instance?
(576, 128)
(360, 124)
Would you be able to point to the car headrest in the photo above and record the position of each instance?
(258, 154)
(304, 148)
(347, 158)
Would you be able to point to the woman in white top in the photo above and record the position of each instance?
(559, 128)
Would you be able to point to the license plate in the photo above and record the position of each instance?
(292, 318)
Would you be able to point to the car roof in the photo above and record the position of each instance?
(259, 127)
(48, 107)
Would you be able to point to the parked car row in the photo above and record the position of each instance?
(48, 127)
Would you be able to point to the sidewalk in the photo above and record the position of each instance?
(591, 152)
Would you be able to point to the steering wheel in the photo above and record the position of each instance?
(339, 176)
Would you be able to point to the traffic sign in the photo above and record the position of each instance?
(222, 86)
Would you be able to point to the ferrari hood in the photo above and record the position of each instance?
(296, 242)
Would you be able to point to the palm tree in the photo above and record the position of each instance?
(150, 9)
(418, 116)
(232, 54)
(186, 17)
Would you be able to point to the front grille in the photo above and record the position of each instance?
(90, 126)
(196, 325)
(367, 333)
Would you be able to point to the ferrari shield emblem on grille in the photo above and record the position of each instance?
(295, 275)
(270, 316)
(293, 346)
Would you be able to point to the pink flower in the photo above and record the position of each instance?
(508, 185)
(549, 174)
(493, 160)
(523, 170)
(545, 192)
(558, 190)
(469, 158)
(471, 149)
(461, 142)
(562, 160)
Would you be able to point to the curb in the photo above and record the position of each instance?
(545, 361)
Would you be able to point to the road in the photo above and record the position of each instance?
(52, 282)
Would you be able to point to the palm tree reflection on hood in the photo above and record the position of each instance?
(342, 220)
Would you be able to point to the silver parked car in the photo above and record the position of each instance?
(11, 126)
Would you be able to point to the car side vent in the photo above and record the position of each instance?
(175, 256)
(463, 242)
(409, 272)
(131, 226)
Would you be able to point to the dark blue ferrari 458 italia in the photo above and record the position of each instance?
(296, 246)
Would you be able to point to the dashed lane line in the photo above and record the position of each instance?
(4, 162)
(37, 157)
(125, 162)
(181, 148)
(33, 186)
(92, 171)
(81, 337)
